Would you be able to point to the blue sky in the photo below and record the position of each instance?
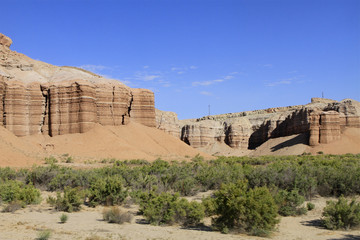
(232, 55)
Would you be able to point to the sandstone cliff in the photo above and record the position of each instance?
(322, 121)
(36, 97)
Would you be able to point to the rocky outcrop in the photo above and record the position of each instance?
(5, 41)
(168, 122)
(322, 121)
(202, 134)
(36, 97)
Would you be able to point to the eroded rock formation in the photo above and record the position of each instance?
(322, 120)
(37, 97)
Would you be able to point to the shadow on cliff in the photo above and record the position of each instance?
(302, 138)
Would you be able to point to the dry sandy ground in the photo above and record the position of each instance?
(132, 141)
(27, 223)
(349, 142)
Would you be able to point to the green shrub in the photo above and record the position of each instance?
(341, 214)
(289, 203)
(115, 215)
(310, 206)
(44, 235)
(189, 213)
(69, 201)
(7, 174)
(166, 208)
(64, 218)
(107, 191)
(51, 160)
(69, 160)
(239, 208)
(13, 190)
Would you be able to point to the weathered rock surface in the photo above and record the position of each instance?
(5, 41)
(168, 122)
(322, 121)
(36, 97)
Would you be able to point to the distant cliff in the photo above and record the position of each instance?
(36, 97)
(322, 120)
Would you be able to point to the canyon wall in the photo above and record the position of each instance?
(322, 120)
(37, 97)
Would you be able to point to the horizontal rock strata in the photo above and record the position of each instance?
(322, 120)
(37, 97)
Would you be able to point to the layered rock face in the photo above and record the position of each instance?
(322, 120)
(168, 122)
(36, 97)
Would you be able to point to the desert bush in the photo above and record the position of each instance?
(7, 174)
(69, 177)
(14, 190)
(289, 203)
(341, 214)
(44, 235)
(51, 160)
(115, 215)
(64, 218)
(310, 206)
(236, 207)
(41, 176)
(13, 206)
(107, 191)
(69, 160)
(69, 201)
(166, 208)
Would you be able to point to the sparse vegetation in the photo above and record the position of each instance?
(310, 206)
(44, 235)
(64, 218)
(115, 215)
(264, 186)
(51, 160)
(13, 206)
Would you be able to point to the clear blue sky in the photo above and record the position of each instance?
(233, 55)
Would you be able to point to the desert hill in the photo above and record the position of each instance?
(46, 110)
(131, 141)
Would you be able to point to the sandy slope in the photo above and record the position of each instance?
(132, 141)
(26, 223)
(349, 142)
(290, 145)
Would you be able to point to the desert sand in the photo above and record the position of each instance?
(349, 142)
(88, 224)
(131, 141)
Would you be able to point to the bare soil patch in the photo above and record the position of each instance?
(27, 223)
